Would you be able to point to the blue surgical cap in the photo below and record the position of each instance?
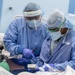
(67, 24)
(57, 19)
(32, 7)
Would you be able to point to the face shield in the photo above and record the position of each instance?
(32, 13)
(33, 18)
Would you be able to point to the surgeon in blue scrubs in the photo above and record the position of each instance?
(26, 34)
(60, 52)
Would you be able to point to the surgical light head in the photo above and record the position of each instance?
(32, 9)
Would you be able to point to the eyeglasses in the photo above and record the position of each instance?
(54, 29)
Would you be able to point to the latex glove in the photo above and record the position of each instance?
(27, 53)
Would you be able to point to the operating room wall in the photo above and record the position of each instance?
(10, 8)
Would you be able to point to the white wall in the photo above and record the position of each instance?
(18, 5)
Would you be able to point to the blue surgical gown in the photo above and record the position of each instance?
(63, 54)
(19, 35)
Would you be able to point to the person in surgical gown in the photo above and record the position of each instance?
(60, 52)
(26, 34)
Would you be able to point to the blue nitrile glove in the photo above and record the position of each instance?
(40, 63)
(48, 67)
(21, 61)
(27, 53)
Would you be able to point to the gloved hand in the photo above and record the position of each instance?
(40, 62)
(21, 61)
(27, 53)
(48, 67)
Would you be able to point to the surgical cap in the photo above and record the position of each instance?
(32, 9)
(57, 19)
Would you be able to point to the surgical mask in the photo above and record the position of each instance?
(33, 23)
(55, 35)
